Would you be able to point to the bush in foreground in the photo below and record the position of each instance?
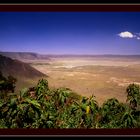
(41, 107)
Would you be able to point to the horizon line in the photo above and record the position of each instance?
(61, 53)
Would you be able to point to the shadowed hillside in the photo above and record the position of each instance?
(24, 73)
(18, 68)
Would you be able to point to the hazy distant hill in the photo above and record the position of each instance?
(24, 55)
(17, 68)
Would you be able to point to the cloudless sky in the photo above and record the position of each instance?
(70, 32)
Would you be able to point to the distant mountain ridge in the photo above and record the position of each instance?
(37, 56)
(24, 55)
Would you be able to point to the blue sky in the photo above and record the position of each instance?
(70, 32)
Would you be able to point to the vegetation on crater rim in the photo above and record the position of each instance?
(42, 107)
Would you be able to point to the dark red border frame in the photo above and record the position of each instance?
(70, 8)
(70, 132)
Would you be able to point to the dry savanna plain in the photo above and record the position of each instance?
(102, 76)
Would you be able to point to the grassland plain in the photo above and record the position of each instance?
(104, 77)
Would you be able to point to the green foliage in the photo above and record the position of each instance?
(7, 85)
(42, 87)
(41, 107)
(133, 95)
